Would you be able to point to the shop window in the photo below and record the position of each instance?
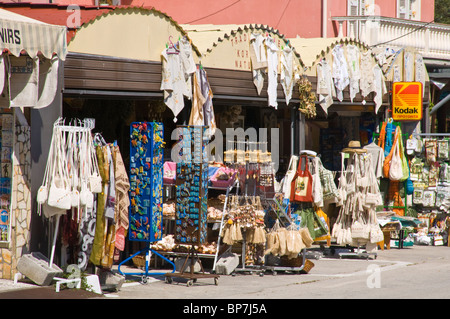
(408, 9)
(6, 146)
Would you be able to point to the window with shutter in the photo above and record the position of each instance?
(415, 8)
(408, 9)
(402, 6)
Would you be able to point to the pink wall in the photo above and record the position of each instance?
(291, 18)
(427, 13)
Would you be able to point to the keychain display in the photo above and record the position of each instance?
(146, 181)
(192, 186)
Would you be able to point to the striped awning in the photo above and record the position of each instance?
(19, 33)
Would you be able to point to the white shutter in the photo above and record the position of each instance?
(353, 8)
(414, 9)
(403, 9)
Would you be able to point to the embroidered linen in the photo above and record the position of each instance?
(379, 87)
(325, 86)
(176, 73)
(409, 66)
(366, 82)
(397, 74)
(340, 71)
(287, 73)
(420, 71)
(272, 72)
(188, 65)
(259, 60)
(354, 71)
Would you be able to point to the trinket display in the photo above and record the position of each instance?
(192, 186)
(6, 144)
(430, 172)
(146, 181)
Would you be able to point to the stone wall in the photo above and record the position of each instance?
(20, 215)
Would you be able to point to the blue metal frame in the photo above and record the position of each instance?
(146, 273)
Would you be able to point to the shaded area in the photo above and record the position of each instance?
(49, 293)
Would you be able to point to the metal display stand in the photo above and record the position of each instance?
(191, 276)
(146, 180)
(275, 269)
(148, 251)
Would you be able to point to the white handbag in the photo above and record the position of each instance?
(287, 179)
(59, 194)
(42, 193)
(360, 229)
(73, 161)
(376, 234)
(396, 168)
(95, 180)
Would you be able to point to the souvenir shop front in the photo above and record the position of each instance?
(30, 78)
(346, 135)
(239, 61)
(229, 84)
(108, 89)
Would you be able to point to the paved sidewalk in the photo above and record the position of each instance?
(403, 271)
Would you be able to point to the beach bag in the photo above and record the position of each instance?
(324, 221)
(301, 185)
(388, 158)
(329, 189)
(396, 168)
(360, 230)
(287, 179)
(95, 180)
(376, 234)
(42, 193)
(60, 193)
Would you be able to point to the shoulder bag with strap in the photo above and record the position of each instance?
(301, 185)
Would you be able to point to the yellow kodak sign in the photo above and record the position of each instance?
(407, 101)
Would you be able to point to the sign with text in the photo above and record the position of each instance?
(407, 101)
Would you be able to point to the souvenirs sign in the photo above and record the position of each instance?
(407, 101)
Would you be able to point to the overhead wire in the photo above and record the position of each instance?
(279, 20)
(211, 14)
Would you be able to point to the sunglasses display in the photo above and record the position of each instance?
(192, 186)
(146, 181)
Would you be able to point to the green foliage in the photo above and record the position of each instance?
(442, 11)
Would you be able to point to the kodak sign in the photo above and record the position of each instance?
(407, 101)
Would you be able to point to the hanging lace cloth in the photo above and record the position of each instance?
(258, 58)
(353, 56)
(340, 71)
(287, 72)
(325, 86)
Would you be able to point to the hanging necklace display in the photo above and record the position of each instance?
(146, 181)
